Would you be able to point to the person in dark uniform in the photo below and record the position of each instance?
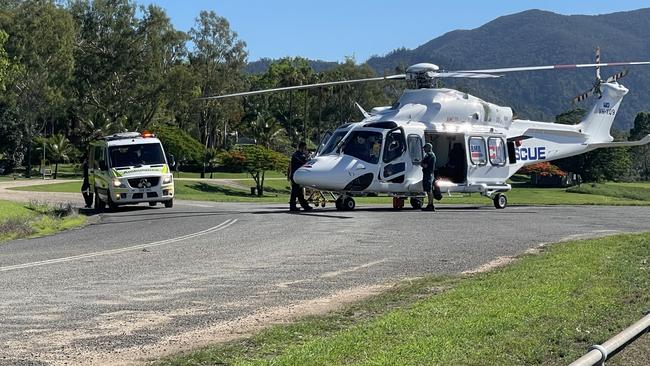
(85, 186)
(428, 164)
(298, 159)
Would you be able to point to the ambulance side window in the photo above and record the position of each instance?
(100, 161)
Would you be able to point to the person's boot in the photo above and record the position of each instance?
(294, 208)
(307, 208)
(429, 208)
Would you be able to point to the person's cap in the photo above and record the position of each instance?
(428, 145)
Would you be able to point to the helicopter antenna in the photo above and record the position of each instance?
(363, 111)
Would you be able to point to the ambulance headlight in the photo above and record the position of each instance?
(168, 179)
(118, 184)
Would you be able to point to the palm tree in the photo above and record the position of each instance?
(60, 150)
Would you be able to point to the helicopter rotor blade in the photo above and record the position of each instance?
(617, 76)
(581, 97)
(306, 86)
(460, 74)
(554, 67)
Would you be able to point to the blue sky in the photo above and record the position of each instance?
(333, 29)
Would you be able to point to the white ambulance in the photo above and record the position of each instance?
(129, 168)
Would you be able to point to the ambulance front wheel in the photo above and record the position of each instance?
(99, 204)
(169, 204)
(111, 205)
(500, 201)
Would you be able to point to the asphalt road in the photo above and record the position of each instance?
(143, 282)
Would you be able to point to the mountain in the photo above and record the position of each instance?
(537, 37)
(260, 66)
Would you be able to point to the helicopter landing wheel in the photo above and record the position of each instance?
(500, 201)
(348, 204)
(416, 202)
(398, 203)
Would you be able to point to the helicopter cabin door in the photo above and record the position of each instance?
(488, 158)
(394, 159)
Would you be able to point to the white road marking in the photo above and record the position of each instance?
(221, 226)
(353, 269)
(194, 205)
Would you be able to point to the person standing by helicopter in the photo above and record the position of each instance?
(298, 159)
(428, 164)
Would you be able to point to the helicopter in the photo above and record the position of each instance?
(478, 145)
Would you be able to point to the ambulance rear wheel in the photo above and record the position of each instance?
(169, 204)
(500, 201)
(99, 204)
(348, 204)
(416, 203)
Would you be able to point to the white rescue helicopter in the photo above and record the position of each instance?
(478, 145)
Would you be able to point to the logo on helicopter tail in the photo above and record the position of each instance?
(530, 153)
(606, 109)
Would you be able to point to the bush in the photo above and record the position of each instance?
(544, 169)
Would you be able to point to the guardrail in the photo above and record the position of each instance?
(599, 353)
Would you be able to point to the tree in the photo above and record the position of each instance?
(60, 150)
(179, 143)
(41, 38)
(256, 160)
(641, 154)
(217, 62)
(124, 62)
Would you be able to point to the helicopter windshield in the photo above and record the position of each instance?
(333, 141)
(364, 145)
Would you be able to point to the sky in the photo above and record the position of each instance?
(332, 30)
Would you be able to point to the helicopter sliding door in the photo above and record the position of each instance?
(394, 160)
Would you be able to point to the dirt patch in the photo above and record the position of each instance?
(66, 343)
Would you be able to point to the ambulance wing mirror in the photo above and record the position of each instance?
(171, 161)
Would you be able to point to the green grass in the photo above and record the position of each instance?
(541, 310)
(277, 190)
(19, 220)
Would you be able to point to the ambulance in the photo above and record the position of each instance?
(129, 168)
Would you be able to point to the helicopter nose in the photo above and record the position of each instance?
(322, 173)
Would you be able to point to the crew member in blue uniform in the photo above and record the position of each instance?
(298, 159)
(428, 164)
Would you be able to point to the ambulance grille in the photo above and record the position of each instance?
(144, 182)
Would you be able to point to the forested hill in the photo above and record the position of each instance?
(260, 66)
(538, 37)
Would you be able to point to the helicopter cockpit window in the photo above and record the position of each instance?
(333, 141)
(497, 151)
(364, 145)
(477, 151)
(395, 145)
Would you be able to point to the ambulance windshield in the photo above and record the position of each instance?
(136, 155)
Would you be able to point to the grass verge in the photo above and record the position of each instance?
(35, 219)
(542, 309)
(277, 190)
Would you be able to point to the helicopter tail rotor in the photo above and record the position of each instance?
(596, 89)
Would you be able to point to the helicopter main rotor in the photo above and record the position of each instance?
(423, 75)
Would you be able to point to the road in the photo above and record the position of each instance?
(144, 282)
